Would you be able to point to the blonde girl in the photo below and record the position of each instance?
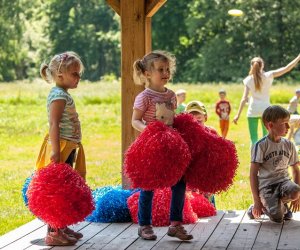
(64, 137)
(154, 71)
(258, 83)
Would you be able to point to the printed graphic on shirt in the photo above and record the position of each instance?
(274, 158)
(224, 108)
(164, 112)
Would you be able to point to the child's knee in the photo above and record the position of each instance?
(277, 215)
(276, 219)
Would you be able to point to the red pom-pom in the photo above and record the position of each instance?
(161, 208)
(59, 196)
(193, 133)
(133, 206)
(158, 158)
(201, 205)
(213, 170)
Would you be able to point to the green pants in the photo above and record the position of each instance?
(253, 127)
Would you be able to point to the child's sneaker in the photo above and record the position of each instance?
(146, 233)
(59, 238)
(249, 213)
(72, 233)
(288, 214)
(179, 232)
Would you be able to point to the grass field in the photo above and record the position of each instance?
(23, 124)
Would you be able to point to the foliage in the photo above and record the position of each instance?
(210, 45)
(11, 28)
(89, 28)
(224, 45)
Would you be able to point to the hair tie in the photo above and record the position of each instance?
(62, 57)
(141, 64)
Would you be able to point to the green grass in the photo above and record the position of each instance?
(23, 124)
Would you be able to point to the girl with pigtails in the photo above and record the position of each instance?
(154, 71)
(63, 142)
(258, 83)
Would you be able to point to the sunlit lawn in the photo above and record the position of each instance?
(23, 124)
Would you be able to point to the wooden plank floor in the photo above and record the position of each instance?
(226, 230)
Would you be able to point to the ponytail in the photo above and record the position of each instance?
(255, 71)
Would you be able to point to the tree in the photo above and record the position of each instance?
(212, 46)
(89, 28)
(11, 29)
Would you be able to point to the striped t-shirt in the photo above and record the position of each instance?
(146, 101)
(69, 126)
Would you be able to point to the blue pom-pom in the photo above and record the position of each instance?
(24, 189)
(111, 205)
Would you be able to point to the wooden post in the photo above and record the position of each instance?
(135, 43)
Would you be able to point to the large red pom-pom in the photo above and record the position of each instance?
(193, 133)
(158, 158)
(201, 205)
(59, 196)
(213, 170)
(161, 208)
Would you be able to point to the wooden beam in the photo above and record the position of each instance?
(152, 6)
(133, 47)
(115, 5)
(148, 35)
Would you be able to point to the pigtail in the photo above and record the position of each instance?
(45, 72)
(138, 73)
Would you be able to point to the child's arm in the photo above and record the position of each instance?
(136, 120)
(242, 104)
(287, 68)
(258, 206)
(296, 173)
(56, 110)
(218, 112)
(295, 205)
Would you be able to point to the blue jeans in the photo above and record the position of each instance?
(177, 203)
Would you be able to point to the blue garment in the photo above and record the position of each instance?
(177, 203)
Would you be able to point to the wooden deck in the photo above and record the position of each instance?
(227, 230)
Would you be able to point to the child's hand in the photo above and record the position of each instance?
(55, 157)
(295, 205)
(257, 209)
(235, 119)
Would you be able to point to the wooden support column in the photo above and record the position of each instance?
(135, 43)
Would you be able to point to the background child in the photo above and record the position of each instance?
(154, 71)
(271, 186)
(293, 104)
(180, 97)
(198, 110)
(64, 129)
(223, 110)
(258, 83)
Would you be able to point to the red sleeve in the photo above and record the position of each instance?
(218, 108)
